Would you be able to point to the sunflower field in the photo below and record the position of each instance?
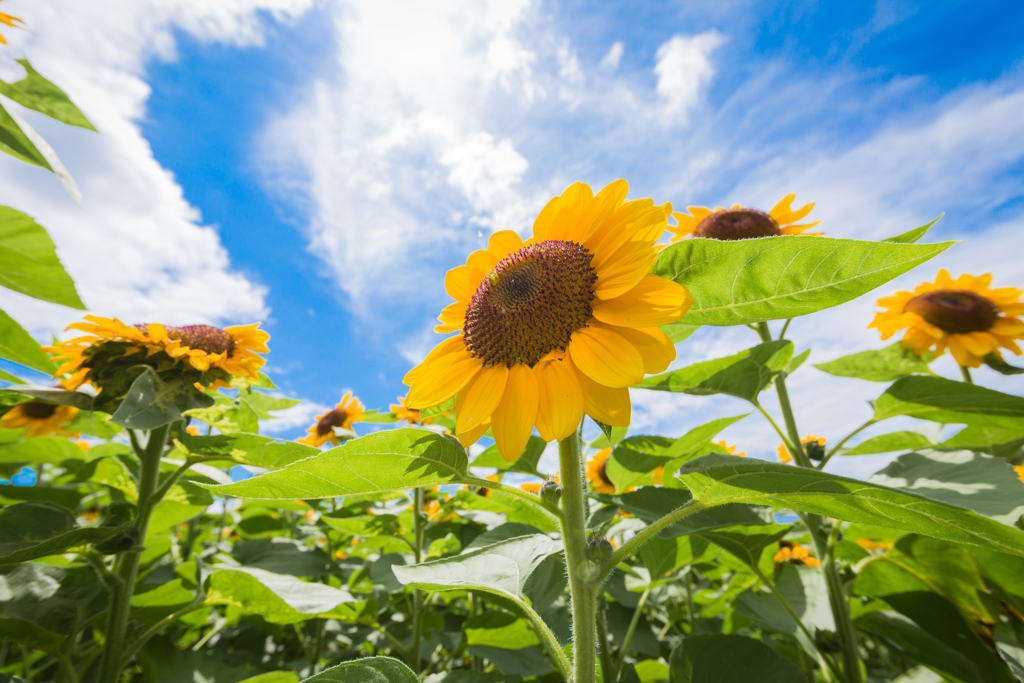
(380, 549)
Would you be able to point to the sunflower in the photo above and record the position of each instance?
(961, 315)
(597, 472)
(341, 417)
(739, 222)
(783, 452)
(483, 490)
(13, 22)
(1019, 469)
(220, 353)
(795, 553)
(556, 326)
(871, 544)
(402, 411)
(42, 419)
(531, 487)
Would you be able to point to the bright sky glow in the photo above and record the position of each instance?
(320, 165)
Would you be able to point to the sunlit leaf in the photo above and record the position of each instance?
(526, 462)
(652, 503)
(500, 629)
(744, 375)
(677, 332)
(883, 365)
(37, 93)
(278, 598)
(14, 141)
(18, 345)
(248, 449)
(942, 400)
(369, 670)
(774, 278)
(29, 262)
(888, 443)
(914, 235)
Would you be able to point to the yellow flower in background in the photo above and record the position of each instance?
(11, 21)
(739, 222)
(41, 418)
(556, 326)
(597, 472)
(203, 347)
(731, 450)
(795, 553)
(348, 411)
(659, 472)
(402, 411)
(964, 316)
(483, 490)
(870, 544)
(784, 454)
(531, 487)
(1019, 469)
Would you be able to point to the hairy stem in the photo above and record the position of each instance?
(127, 566)
(644, 535)
(547, 507)
(581, 569)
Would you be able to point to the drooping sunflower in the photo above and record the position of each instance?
(13, 22)
(214, 354)
(796, 554)
(739, 222)
(813, 440)
(41, 418)
(597, 472)
(964, 316)
(556, 326)
(348, 411)
(402, 411)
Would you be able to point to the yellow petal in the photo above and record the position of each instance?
(645, 227)
(564, 223)
(503, 243)
(784, 215)
(467, 439)
(437, 380)
(453, 317)
(448, 346)
(656, 349)
(560, 399)
(512, 421)
(654, 301)
(606, 357)
(480, 396)
(621, 274)
(461, 283)
(605, 404)
(601, 208)
(482, 260)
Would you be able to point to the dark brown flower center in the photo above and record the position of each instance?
(38, 410)
(203, 337)
(602, 471)
(954, 311)
(531, 303)
(737, 224)
(332, 419)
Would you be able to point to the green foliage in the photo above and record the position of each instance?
(36, 93)
(29, 262)
(744, 375)
(884, 365)
(729, 659)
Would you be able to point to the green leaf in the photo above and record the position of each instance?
(54, 598)
(369, 670)
(805, 591)
(718, 480)
(883, 365)
(662, 556)
(228, 415)
(38, 94)
(8, 377)
(50, 450)
(18, 345)
(152, 403)
(274, 677)
(29, 635)
(730, 658)
(888, 443)
(1001, 366)
(987, 485)
(282, 556)
(677, 332)
(797, 361)
(746, 542)
(67, 497)
(500, 629)
(1002, 442)
(744, 375)
(262, 403)
(914, 235)
(652, 503)
(29, 262)
(278, 598)
(384, 461)
(502, 568)
(56, 395)
(16, 142)
(247, 449)
(184, 501)
(942, 400)
(32, 530)
(774, 278)
(94, 424)
(526, 462)
(437, 410)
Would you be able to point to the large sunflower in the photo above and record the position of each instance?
(556, 326)
(203, 348)
(348, 411)
(41, 418)
(739, 222)
(962, 315)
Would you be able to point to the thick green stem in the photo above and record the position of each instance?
(632, 629)
(417, 598)
(127, 566)
(965, 372)
(582, 571)
(157, 628)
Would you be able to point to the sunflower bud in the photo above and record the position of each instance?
(551, 491)
(815, 451)
(599, 549)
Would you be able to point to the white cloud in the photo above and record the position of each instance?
(136, 248)
(684, 70)
(614, 56)
(297, 417)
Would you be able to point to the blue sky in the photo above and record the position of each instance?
(320, 165)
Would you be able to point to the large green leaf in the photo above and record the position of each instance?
(883, 365)
(16, 142)
(888, 443)
(152, 403)
(805, 591)
(32, 530)
(774, 278)
(744, 375)
(730, 659)
(500, 629)
(50, 450)
(718, 480)
(652, 503)
(942, 400)
(385, 461)
(1002, 442)
(55, 598)
(278, 598)
(747, 543)
(966, 479)
(36, 93)
(248, 449)
(18, 345)
(369, 670)
(29, 262)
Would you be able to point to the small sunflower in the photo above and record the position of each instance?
(41, 418)
(341, 417)
(556, 326)
(13, 22)
(215, 353)
(795, 553)
(962, 315)
(871, 544)
(740, 223)
(1019, 469)
(783, 452)
(731, 450)
(597, 472)
(402, 411)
